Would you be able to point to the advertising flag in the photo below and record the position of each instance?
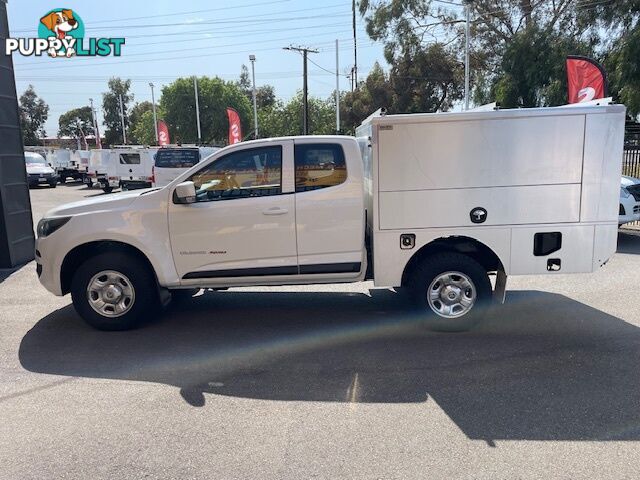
(163, 133)
(586, 80)
(235, 128)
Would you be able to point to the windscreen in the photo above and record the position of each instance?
(34, 158)
(178, 158)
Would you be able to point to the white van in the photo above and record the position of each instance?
(134, 166)
(171, 162)
(102, 170)
(434, 203)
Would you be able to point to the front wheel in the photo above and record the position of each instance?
(114, 291)
(452, 289)
(107, 189)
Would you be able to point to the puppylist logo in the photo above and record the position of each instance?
(61, 34)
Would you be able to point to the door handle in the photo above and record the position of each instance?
(275, 211)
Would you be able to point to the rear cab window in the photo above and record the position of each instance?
(182, 158)
(319, 165)
(129, 159)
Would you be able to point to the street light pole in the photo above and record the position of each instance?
(466, 53)
(155, 116)
(124, 130)
(195, 88)
(252, 58)
(96, 130)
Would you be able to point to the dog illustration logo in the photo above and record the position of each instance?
(65, 26)
(61, 34)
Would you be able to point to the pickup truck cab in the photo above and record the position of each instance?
(434, 203)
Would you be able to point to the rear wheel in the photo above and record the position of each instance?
(452, 289)
(114, 291)
(107, 189)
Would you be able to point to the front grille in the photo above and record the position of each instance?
(636, 209)
(635, 191)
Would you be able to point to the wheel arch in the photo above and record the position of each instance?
(471, 247)
(76, 256)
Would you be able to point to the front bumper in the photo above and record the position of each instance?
(629, 211)
(48, 266)
(42, 179)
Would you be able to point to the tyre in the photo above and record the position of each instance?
(107, 189)
(63, 180)
(114, 291)
(452, 289)
(53, 185)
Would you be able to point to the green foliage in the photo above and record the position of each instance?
(33, 115)
(533, 68)
(143, 130)
(284, 119)
(76, 123)
(111, 109)
(518, 49)
(215, 95)
(139, 124)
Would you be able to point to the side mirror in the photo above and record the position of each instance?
(185, 193)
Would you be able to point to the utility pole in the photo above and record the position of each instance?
(355, 46)
(337, 87)
(96, 130)
(195, 88)
(124, 130)
(252, 58)
(155, 115)
(466, 53)
(305, 87)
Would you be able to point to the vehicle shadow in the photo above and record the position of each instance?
(544, 367)
(629, 242)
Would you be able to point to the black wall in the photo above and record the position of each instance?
(16, 225)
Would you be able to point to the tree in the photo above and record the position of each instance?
(284, 119)
(76, 123)
(111, 109)
(621, 22)
(215, 95)
(34, 113)
(265, 94)
(139, 124)
(143, 130)
(518, 46)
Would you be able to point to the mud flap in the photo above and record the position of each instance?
(500, 291)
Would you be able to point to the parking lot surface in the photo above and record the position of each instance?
(333, 381)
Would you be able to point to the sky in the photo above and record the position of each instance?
(166, 40)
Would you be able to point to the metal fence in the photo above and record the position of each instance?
(631, 160)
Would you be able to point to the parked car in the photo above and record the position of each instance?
(433, 203)
(171, 162)
(629, 200)
(134, 166)
(39, 172)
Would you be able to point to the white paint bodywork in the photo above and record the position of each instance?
(536, 170)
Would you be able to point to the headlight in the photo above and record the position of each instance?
(624, 193)
(47, 226)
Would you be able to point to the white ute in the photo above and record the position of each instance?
(435, 203)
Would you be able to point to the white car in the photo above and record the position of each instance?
(435, 203)
(39, 172)
(629, 200)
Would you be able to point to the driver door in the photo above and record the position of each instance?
(242, 224)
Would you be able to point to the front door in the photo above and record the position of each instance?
(243, 222)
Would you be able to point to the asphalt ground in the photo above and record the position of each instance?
(333, 381)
